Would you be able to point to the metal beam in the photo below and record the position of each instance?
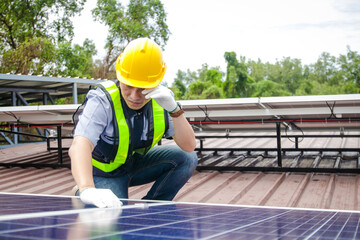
(36, 90)
(303, 112)
(36, 165)
(278, 169)
(59, 140)
(278, 143)
(23, 134)
(23, 100)
(6, 138)
(75, 94)
(47, 79)
(267, 100)
(13, 98)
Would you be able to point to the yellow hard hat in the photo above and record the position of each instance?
(141, 64)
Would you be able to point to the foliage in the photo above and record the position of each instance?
(212, 92)
(145, 18)
(350, 66)
(206, 83)
(31, 56)
(36, 38)
(267, 88)
(286, 77)
(30, 31)
(74, 61)
(237, 83)
(23, 20)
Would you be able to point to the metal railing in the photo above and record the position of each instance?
(278, 149)
(60, 149)
(280, 152)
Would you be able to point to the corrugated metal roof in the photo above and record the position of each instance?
(303, 190)
(33, 87)
(247, 116)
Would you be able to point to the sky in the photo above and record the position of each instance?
(203, 30)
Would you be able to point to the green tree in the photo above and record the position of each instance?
(212, 75)
(74, 61)
(145, 18)
(178, 86)
(28, 29)
(181, 83)
(324, 68)
(305, 88)
(186, 77)
(287, 73)
(212, 92)
(274, 72)
(291, 74)
(237, 83)
(328, 75)
(257, 70)
(325, 76)
(350, 65)
(196, 89)
(205, 83)
(30, 56)
(267, 88)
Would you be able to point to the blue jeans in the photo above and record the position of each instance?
(169, 166)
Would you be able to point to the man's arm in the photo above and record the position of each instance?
(184, 134)
(81, 168)
(81, 162)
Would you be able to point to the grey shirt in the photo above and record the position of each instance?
(96, 120)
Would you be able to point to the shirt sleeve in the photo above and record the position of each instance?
(170, 132)
(96, 116)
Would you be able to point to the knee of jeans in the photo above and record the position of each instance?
(194, 157)
(190, 161)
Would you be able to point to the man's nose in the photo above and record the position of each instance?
(136, 93)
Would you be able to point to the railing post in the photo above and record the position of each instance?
(59, 145)
(278, 138)
(48, 143)
(75, 100)
(201, 144)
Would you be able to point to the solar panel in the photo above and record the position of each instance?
(235, 113)
(32, 88)
(53, 217)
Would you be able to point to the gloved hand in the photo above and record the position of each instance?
(163, 96)
(102, 219)
(101, 198)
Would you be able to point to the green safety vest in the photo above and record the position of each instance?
(112, 90)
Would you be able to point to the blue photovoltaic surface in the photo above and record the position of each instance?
(16, 203)
(66, 218)
(26, 203)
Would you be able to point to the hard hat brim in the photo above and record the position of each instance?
(138, 83)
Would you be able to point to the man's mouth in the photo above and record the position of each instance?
(134, 103)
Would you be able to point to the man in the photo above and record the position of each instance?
(114, 144)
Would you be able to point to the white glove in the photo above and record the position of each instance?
(101, 219)
(163, 96)
(101, 198)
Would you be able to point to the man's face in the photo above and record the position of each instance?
(133, 96)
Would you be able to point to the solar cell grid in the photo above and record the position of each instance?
(169, 220)
(15, 203)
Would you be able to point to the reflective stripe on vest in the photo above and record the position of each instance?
(123, 128)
